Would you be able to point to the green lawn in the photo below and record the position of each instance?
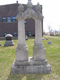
(8, 55)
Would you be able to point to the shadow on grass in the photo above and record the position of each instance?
(16, 77)
(25, 77)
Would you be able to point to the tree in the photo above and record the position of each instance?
(50, 29)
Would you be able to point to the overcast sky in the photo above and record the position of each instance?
(51, 11)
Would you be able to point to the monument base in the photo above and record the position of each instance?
(9, 43)
(32, 68)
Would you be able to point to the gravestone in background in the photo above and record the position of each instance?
(46, 38)
(26, 37)
(0, 44)
(49, 42)
(38, 63)
(9, 41)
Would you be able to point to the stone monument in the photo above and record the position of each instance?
(9, 41)
(38, 63)
(49, 42)
(26, 37)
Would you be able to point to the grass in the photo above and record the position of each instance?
(8, 55)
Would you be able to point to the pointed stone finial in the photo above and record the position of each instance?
(38, 7)
(29, 4)
(21, 8)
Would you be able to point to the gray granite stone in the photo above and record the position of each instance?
(38, 52)
(38, 63)
(21, 53)
(49, 42)
(31, 69)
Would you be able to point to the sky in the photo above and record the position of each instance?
(51, 12)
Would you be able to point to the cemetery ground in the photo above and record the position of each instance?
(8, 55)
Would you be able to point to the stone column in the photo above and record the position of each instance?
(22, 49)
(38, 32)
(38, 49)
(21, 32)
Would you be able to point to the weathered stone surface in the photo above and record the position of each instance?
(38, 63)
(38, 7)
(29, 4)
(22, 53)
(31, 69)
(21, 8)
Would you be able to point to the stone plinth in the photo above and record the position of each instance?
(21, 55)
(9, 41)
(39, 52)
(31, 68)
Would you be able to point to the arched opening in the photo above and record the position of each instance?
(30, 27)
(30, 32)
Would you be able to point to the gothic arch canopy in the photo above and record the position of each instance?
(29, 13)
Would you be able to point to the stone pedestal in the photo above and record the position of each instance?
(21, 55)
(39, 52)
(31, 68)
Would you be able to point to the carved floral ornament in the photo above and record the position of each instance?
(38, 7)
(29, 4)
(29, 12)
(21, 8)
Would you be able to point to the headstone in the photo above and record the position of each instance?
(26, 37)
(49, 42)
(38, 63)
(46, 38)
(8, 41)
(0, 44)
